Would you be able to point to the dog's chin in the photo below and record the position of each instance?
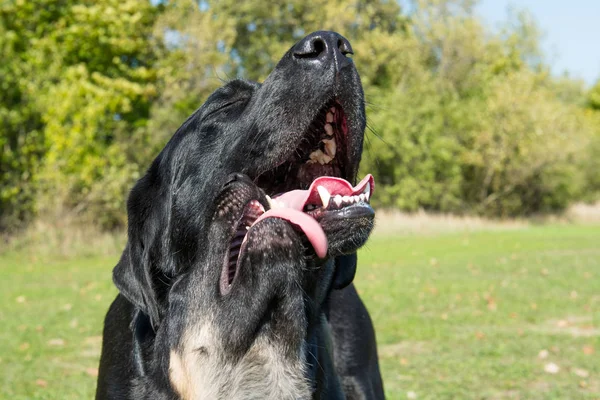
(347, 229)
(270, 287)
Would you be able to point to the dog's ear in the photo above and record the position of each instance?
(140, 274)
(132, 277)
(345, 269)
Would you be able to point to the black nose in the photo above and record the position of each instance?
(324, 47)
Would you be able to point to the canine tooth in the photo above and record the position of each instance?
(338, 200)
(329, 129)
(330, 146)
(367, 191)
(362, 197)
(325, 196)
(329, 117)
(271, 202)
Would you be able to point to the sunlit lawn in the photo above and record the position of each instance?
(481, 315)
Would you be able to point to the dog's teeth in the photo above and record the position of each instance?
(316, 155)
(325, 196)
(329, 117)
(337, 200)
(320, 157)
(367, 191)
(330, 146)
(273, 203)
(362, 197)
(345, 199)
(329, 129)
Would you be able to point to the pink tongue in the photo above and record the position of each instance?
(309, 226)
(294, 201)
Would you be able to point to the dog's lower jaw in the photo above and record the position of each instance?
(198, 371)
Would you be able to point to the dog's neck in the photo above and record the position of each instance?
(268, 370)
(199, 369)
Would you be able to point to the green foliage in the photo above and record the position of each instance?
(591, 162)
(474, 124)
(594, 97)
(20, 122)
(461, 118)
(87, 79)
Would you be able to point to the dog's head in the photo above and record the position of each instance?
(238, 319)
(298, 137)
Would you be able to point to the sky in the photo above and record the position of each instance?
(572, 32)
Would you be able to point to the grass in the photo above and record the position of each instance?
(484, 314)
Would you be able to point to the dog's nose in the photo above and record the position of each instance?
(324, 47)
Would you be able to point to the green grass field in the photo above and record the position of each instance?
(496, 314)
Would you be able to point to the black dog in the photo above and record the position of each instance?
(227, 293)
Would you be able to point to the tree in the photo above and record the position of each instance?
(21, 126)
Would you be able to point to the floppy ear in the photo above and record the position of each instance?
(141, 272)
(345, 269)
(132, 277)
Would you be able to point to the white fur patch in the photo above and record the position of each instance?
(263, 373)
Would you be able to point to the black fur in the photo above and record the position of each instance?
(181, 216)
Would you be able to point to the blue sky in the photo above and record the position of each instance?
(572, 32)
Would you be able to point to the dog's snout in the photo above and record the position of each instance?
(325, 48)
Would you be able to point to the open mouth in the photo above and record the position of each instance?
(322, 151)
(319, 167)
(310, 184)
(251, 212)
